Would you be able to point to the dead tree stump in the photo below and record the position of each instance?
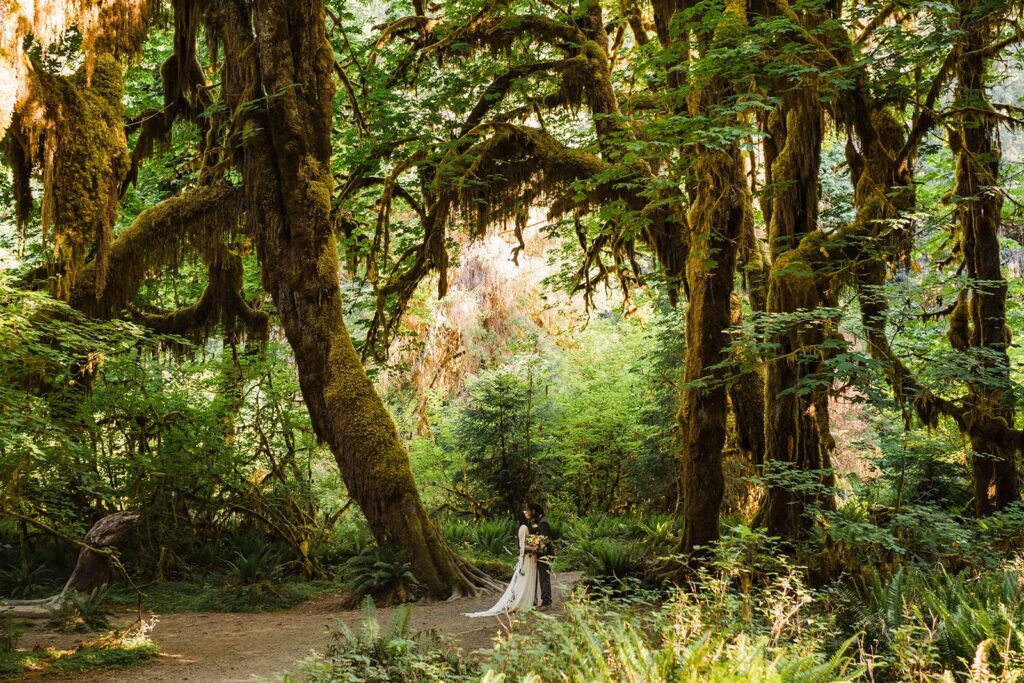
(91, 570)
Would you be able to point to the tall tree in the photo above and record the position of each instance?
(279, 48)
(796, 420)
(718, 213)
(978, 321)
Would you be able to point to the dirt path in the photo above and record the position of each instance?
(227, 648)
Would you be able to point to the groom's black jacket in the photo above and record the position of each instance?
(542, 528)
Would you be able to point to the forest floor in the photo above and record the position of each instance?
(208, 647)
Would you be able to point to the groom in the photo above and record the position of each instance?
(539, 526)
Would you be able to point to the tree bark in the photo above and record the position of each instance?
(976, 144)
(280, 50)
(716, 218)
(796, 418)
(746, 398)
(93, 568)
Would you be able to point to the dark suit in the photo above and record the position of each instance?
(540, 527)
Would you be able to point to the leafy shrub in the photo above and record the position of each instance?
(925, 621)
(630, 642)
(388, 653)
(609, 559)
(561, 527)
(1003, 531)
(381, 573)
(598, 525)
(459, 533)
(351, 537)
(83, 610)
(660, 535)
(588, 535)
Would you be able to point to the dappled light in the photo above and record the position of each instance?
(528, 341)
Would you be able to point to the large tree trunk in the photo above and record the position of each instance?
(716, 218)
(796, 421)
(977, 322)
(280, 51)
(976, 145)
(746, 393)
(93, 568)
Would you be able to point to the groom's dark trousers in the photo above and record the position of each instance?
(542, 528)
(544, 575)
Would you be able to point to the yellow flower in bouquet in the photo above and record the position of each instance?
(534, 543)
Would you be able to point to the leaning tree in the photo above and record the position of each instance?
(267, 122)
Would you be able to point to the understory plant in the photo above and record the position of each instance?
(387, 652)
(24, 580)
(924, 622)
(9, 634)
(680, 641)
(80, 610)
(381, 574)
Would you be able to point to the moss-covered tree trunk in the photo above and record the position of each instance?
(796, 418)
(977, 326)
(986, 336)
(746, 398)
(746, 393)
(716, 218)
(276, 55)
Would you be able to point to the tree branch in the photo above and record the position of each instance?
(158, 236)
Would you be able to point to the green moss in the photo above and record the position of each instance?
(959, 333)
(158, 236)
(508, 170)
(88, 657)
(179, 596)
(85, 160)
(317, 180)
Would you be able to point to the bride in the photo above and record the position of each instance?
(522, 592)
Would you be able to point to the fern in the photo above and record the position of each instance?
(381, 573)
(495, 537)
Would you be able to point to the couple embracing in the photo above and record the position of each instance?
(531, 580)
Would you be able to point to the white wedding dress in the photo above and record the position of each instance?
(522, 592)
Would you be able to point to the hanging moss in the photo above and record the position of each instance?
(21, 168)
(193, 220)
(493, 179)
(111, 27)
(959, 333)
(221, 302)
(72, 131)
(806, 270)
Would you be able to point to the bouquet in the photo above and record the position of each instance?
(535, 543)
